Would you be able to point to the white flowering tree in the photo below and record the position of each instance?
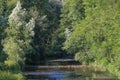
(19, 36)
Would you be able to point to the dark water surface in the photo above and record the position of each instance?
(67, 74)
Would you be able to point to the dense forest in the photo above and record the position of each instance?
(33, 31)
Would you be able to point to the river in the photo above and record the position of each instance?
(57, 70)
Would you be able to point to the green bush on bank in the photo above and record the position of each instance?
(4, 75)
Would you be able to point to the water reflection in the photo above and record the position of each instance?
(54, 76)
(68, 74)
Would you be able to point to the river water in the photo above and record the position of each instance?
(70, 73)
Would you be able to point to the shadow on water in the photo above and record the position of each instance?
(66, 73)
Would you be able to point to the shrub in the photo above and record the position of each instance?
(4, 75)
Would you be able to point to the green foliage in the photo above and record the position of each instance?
(37, 9)
(17, 41)
(96, 38)
(11, 3)
(72, 13)
(42, 5)
(45, 42)
(4, 75)
(6, 7)
(3, 23)
(90, 29)
(2, 7)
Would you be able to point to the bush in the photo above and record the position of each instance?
(4, 75)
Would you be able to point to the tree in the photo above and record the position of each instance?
(72, 14)
(18, 39)
(96, 38)
(47, 17)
